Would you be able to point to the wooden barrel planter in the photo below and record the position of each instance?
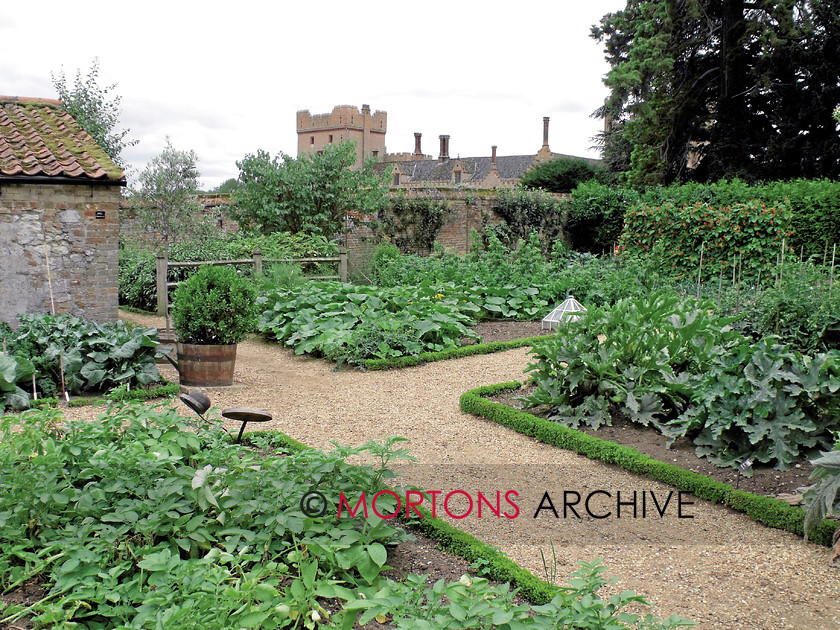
(206, 366)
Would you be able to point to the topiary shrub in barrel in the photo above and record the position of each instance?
(214, 310)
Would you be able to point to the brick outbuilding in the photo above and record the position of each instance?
(59, 210)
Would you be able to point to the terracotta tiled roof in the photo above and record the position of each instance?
(39, 139)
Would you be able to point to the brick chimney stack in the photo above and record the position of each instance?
(444, 148)
(493, 158)
(417, 151)
(545, 131)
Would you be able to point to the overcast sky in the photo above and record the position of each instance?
(226, 79)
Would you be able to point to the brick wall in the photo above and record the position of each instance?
(83, 249)
(468, 210)
(214, 213)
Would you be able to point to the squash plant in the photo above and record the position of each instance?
(672, 363)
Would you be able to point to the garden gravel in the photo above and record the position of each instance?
(719, 568)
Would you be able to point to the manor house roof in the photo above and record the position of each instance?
(474, 169)
(40, 141)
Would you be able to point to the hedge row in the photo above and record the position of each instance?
(451, 353)
(596, 211)
(765, 510)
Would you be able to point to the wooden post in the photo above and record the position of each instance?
(700, 270)
(720, 284)
(782, 264)
(738, 286)
(342, 264)
(257, 255)
(831, 278)
(162, 293)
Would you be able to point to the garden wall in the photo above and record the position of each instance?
(468, 211)
(79, 226)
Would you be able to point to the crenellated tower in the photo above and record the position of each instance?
(345, 122)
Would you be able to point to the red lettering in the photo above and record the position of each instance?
(379, 494)
(497, 511)
(509, 502)
(411, 504)
(434, 494)
(343, 500)
(446, 504)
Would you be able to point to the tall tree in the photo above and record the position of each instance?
(312, 193)
(96, 109)
(704, 89)
(167, 192)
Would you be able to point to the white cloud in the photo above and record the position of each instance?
(226, 80)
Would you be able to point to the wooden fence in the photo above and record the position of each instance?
(163, 266)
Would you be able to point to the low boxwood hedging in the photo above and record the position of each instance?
(493, 563)
(765, 510)
(451, 353)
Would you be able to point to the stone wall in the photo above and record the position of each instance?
(75, 227)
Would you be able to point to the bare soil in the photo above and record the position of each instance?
(718, 567)
(766, 480)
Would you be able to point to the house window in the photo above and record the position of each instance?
(375, 153)
(457, 177)
(311, 139)
(330, 138)
(396, 179)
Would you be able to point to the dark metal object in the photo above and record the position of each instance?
(245, 416)
(197, 401)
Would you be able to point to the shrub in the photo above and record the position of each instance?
(413, 223)
(138, 287)
(595, 216)
(525, 212)
(562, 175)
(214, 306)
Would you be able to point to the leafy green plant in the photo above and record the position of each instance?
(144, 518)
(138, 287)
(91, 356)
(12, 372)
(413, 223)
(823, 498)
(763, 401)
(751, 232)
(631, 358)
(473, 602)
(671, 363)
(280, 276)
(350, 323)
(214, 306)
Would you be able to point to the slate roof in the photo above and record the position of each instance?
(510, 167)
(39, 140)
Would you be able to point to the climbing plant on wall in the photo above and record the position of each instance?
(413, 223)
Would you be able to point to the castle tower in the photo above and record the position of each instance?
(345, 123)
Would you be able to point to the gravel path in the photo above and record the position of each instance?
(718, 568)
